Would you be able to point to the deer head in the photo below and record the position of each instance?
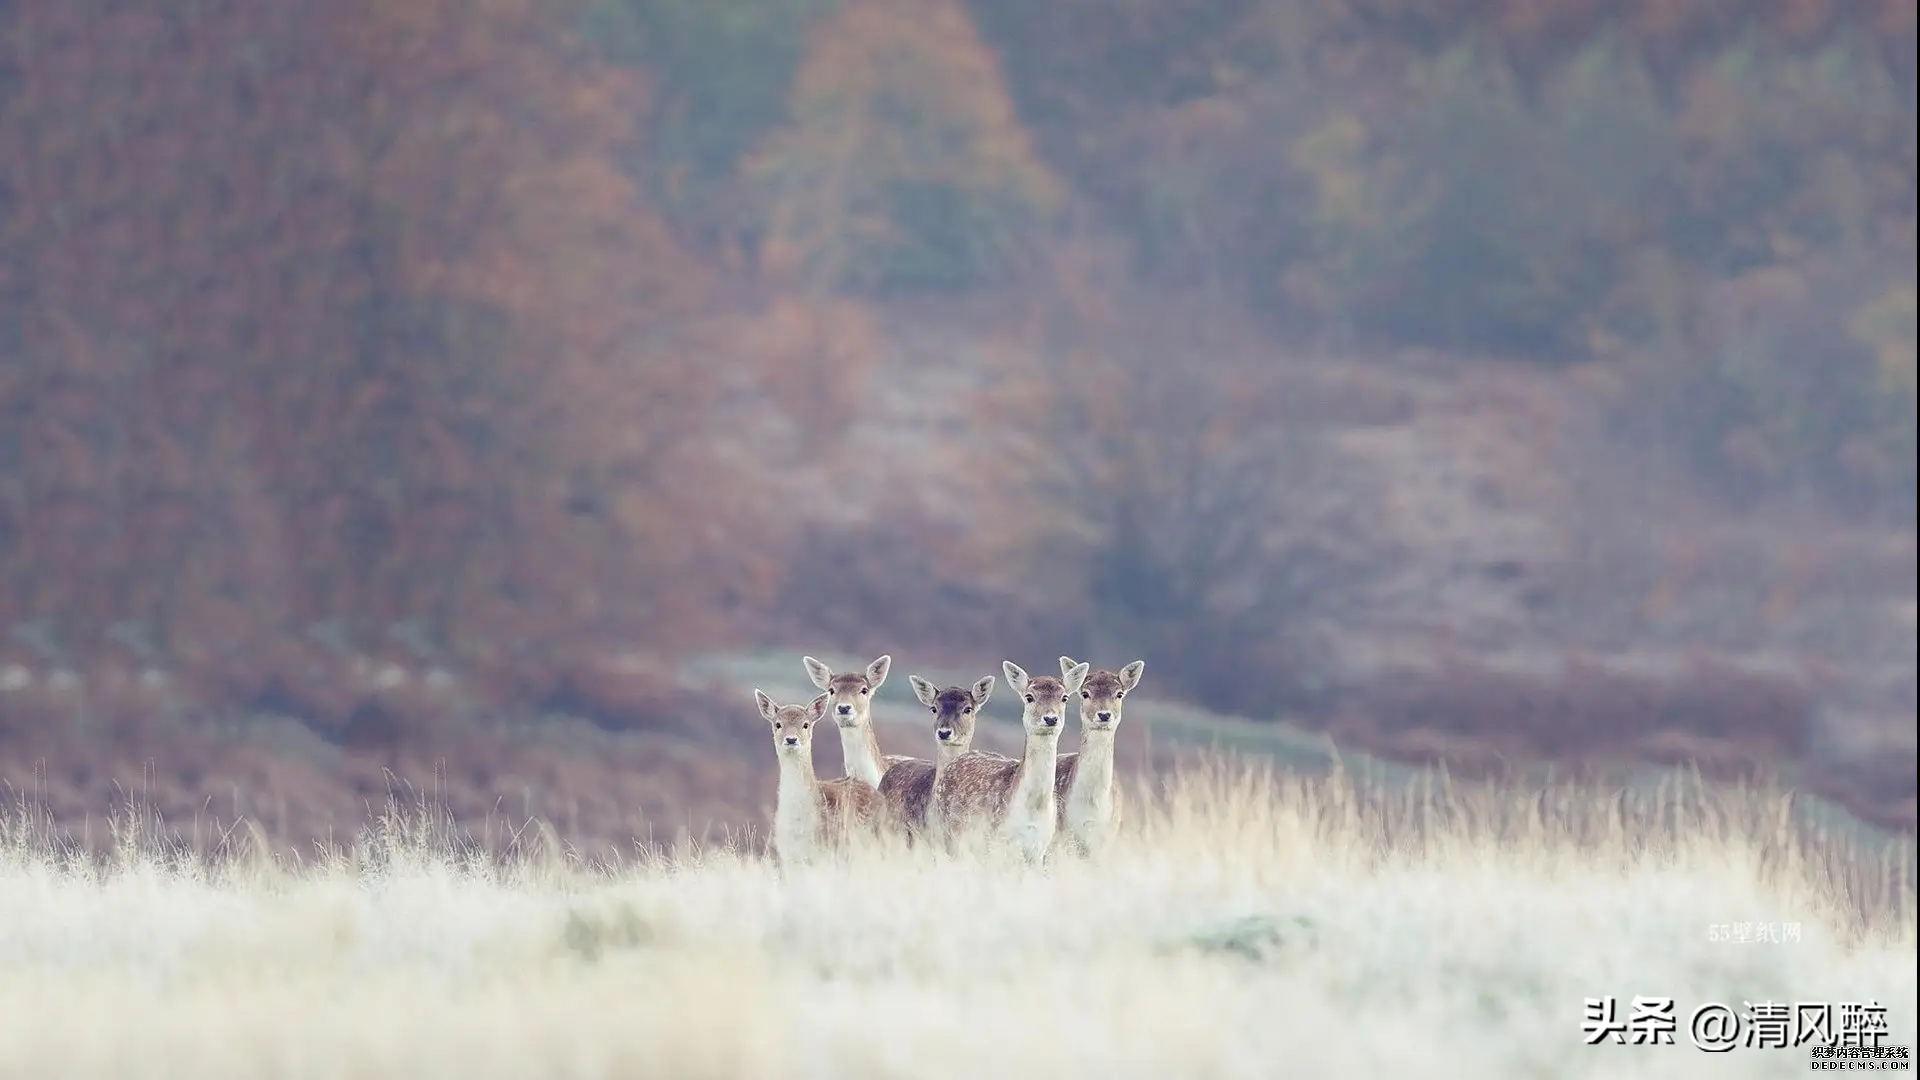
(850, 693)
(955, 710)
(1103, 693)
(1043, 697)
(792, 724)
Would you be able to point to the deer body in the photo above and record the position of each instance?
(1089, 802)
(809, 815)
(1004, 794)
(909, 784)
(1015, 799)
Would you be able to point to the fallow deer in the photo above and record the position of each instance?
(908, 785)
(1015, 798)
(851, 707)
(1083, 781)
(810, 815)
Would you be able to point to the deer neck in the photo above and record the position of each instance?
(860, 749)
(944, 754)
(796, 811)
(1033, 783)
(1093, 775)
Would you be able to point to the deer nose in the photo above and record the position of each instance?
(944, 733)
(1050, 720)
(1104, 716)
(793, 740)
(846, 710)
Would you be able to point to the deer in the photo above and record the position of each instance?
(909, 784)
(1083, 781)
(851, 695)
(809, 815)
(1015, 798)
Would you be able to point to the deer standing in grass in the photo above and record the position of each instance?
(909, 784)
(810, 815)
(851, 706)
(1015, 798)
(1083, 781)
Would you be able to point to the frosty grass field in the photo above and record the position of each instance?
(1250, 924)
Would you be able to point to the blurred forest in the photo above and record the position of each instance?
(1470, 379)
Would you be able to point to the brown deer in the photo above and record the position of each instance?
(851, 707)
(909, 784)
(810, 815)
(1015, 798)
(1083, 781)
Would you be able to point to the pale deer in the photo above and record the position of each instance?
(851, 707)
(810, 815)
(1083, 781)
(909, 784)
(1014, 798)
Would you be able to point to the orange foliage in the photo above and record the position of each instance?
(345, 325)
(892, 101)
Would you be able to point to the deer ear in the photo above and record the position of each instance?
(817, 671)
(877, 671)
(1066, 665)
(1075, 677)
(1130, 675)
(818, 706)
(768, 710)
(1016, 677)
(982, 690)
(923, 690)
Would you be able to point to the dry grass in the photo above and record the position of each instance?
(1249, 925)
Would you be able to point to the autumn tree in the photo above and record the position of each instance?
(1562, 182)
(1180, 497)
(345, 325)
(905, 165)
(720, 76)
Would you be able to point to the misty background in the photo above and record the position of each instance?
(485, 394)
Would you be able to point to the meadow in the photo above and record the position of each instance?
(1251, 923)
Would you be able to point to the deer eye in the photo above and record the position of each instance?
(1085, 694)
(1029, 699)
(863, 691)
(968, 710)
(806, 725)
(1119, 695)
